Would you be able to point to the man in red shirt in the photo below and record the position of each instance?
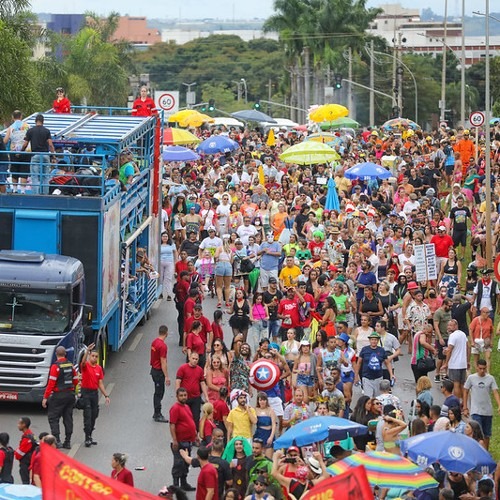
(442, 244)
(181, 264)
(288, 312)
(206, 327)
(184, 434)
(92, 383)
(191, 377)
(159, 371)
(36, 463)
(208, 486)
(181, 289)
(60, 394)
(144, 105)
(25, 449)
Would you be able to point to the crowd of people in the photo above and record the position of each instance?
(331, 298)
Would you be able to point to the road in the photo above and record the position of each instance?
(126, 425)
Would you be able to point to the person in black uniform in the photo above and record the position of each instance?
(6, 459)
(60, 397)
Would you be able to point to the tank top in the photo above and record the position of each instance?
(258, 311)
(448, 269)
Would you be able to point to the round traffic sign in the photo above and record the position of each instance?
(476, 118)
(497, 267)
(166, 102)
(443, 124)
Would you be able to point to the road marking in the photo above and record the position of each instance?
(109, 388)
(156, 305)
(74, 450)
(136, 341)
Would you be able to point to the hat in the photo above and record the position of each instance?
(393, 214)
(412, 285)
(261, 479)
(292, 448)
(272, 280)
(430, 192)
(210, 228)
(374, 335)
(375, 133)
(428, 138)
(333, 268)
(273, 345)
(335, 230)
(413, 196)
(344, 337)
(385, 385)
(329, 380)
(305, 342)
(457, 185)
(314, 465)
(442, 228)
(466, 132)
(487, 270)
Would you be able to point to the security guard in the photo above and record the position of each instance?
(60, 394)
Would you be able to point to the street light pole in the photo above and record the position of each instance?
(244, 82)
(487, 105)
(443, 73)
(462, 70)
(189, 95)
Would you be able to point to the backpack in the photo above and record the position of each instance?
(28, 454)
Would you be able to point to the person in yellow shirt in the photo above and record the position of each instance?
(289, 274)
(241, 419)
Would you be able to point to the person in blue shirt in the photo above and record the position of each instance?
(270, 251)
(365, 278)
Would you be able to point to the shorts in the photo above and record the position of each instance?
(459, 238)
(20, 165)
(274, 326)
(449, 169)
(223, 268)
(478, 348)
(457, 375)
(485, 421)
(265, 275)
(277, 405)
(441, 355)
(347, 377)
(305, 380)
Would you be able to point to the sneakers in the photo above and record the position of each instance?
(160, 418)
(67, 445)
(437, 379)
(187, 487)
(59, 445)
(88, 442)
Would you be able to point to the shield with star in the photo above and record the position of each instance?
(264, 375)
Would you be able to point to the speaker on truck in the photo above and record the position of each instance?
(80, 240)
(6, 225)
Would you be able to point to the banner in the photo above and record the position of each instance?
(351, 485)
(64, 478)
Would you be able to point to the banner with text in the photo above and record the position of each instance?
(425, 262)
(67, 479)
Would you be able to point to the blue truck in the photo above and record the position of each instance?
(79, 265)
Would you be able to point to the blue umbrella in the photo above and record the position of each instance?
(367, 171)
(178, 153)
(316, 429)
(217, 144)
(332, 198)
(454, 451)
(253, 115)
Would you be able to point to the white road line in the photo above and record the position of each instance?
(136, 341)
(74, 450)
(156, 305)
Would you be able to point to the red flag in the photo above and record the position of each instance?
(351, 485)
(67, 479)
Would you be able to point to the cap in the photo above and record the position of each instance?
(305, 342)
(430, 192)
(344, 337)
(457, 185)
(329, 380)
(487, 270)
(442, 228)
(292, 448)
(272, 280)
(261, 479)
(374, 335)
(466, 132)
(333, 268)
(412, 285)
(210, 228)
(375, 133)
(428, 138)
(314, 465)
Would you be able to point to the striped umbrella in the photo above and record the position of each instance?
(178, 136)
(386, 470)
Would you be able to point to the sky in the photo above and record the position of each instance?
(223, 9)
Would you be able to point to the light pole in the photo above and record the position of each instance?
(244, 83)
(462, 70)
(238, 88)
(443, 72)
(487, 113)
(190, 96)
(411, 74)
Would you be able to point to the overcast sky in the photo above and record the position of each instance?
(222, 9)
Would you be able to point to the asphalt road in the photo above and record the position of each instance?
(126, 425)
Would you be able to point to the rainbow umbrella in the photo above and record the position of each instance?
(178, 136)
(386, 470)
(400, 124)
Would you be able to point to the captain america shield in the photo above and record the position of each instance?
(264, 375)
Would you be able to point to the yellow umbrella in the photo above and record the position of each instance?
(195, 120)
(321, 137)
(181, 115)
(271, 140)
(309, 153)
(262, 179)
(328, 112)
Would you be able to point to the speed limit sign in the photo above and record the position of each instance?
(476, 118)
(167, 101)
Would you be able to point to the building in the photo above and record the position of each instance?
(402, 27)
(135, 30)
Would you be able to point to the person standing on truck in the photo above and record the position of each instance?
(41, 143)
(25, 449)
(159, 371)
(61, 103)
(144, 105)
(92, 383)
(60, 396)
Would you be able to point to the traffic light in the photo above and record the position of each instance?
(257, 105)
(203, 107)
(211, 105)
(338, 82)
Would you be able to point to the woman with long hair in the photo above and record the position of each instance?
(362, 414)
(168, 258)
(305, 369)
(327, 322)
(240, 314)
(217, 377)
(259, 316)
(265, 428)
(456, 423)
(223, 271)
(179, 211)
(207, 424)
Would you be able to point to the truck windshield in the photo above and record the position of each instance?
(34, 312)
